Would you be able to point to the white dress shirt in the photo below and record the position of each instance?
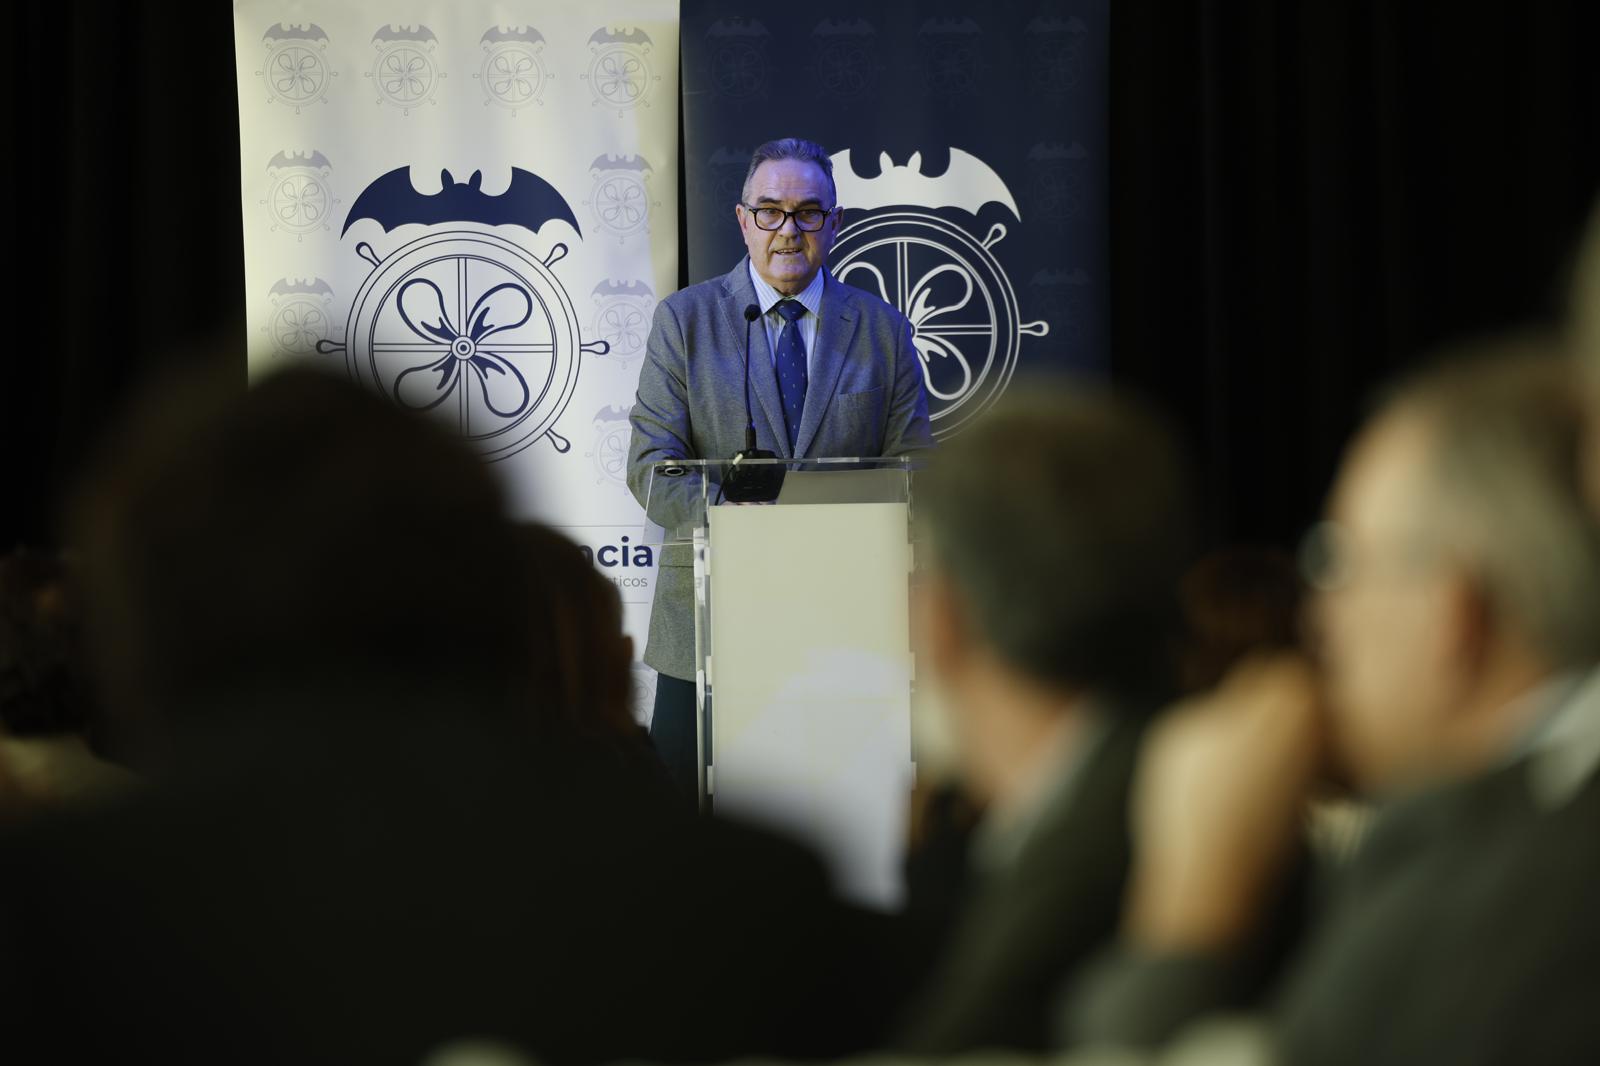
(767, 298)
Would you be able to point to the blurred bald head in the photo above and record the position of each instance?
(1469, 567)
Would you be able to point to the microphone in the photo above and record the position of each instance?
(750, 484)
(751, 313)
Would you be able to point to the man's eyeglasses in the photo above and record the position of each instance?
(809, 219)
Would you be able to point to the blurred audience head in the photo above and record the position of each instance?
(41, 683)
(594, 693)
(1235, 602)
(1459, 567)
(1056, 528)
(298, 536)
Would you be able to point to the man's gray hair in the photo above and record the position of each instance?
(791, 148)
(1505, 486)
(1062, 519)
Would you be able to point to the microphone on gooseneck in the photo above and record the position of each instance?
(751, 313)
(743, 481)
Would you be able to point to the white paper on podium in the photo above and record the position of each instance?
(811, 681)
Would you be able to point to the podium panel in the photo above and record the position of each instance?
(810, 676)
(802, 648)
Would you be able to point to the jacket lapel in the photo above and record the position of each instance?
(836, 328)
(763, 382)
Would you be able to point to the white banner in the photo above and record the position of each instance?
(471, 209)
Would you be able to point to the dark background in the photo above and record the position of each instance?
(1018, 84)
(1304, 199)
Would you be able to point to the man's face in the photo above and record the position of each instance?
(788, 258)
(1390, 623)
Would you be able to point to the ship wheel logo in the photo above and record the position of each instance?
(911, 249)
(619, 73)
(622, 318)
(621, 200)
(295, 71)
(612, 433)
(513, 73)
(299, 197)
(404, 71)
(739, 60)
(465, 324)
(299, 315)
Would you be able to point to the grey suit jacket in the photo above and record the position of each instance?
(865, 397)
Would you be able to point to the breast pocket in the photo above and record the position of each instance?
(864, 408)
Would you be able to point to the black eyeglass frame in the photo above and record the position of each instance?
(755, 216)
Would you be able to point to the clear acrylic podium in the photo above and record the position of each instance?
(803, 656)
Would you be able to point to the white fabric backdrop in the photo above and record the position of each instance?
(513, 297)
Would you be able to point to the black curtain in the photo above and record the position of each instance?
(126, 229)
(1308, 197)
(1305, 198)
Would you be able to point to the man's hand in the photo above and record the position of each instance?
(1219, 800)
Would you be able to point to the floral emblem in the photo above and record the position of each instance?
(463, 351)
(931, 303)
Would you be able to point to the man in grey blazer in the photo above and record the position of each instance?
(833, 372)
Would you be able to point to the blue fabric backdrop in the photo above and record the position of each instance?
(969, 147)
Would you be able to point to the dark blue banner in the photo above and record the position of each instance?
(969, 149)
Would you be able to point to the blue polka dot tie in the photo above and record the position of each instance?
(791, 367)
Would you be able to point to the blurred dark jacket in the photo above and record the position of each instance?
(366, 885)
(1464, 932)
(1028, 925)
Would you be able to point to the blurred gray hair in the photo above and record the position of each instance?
(791, 148)
(1061, 517)
(1506, 486)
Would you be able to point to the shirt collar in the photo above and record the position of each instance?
(1564, 744)
(767, 297)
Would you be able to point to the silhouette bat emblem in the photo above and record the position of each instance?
(529, 201)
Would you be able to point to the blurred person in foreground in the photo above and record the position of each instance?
(594, 655)
(358, 843)
(1055, 529)
(44, 697)
(1459, 621)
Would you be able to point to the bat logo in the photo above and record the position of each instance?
(737, 27)
(315, 160)
(404, 33)
(1042, 152)
(950, 25)
(633, 36)
(612, 414)
(529, 201)
(620, 162)
(968, 183)
(501, 34)
(295, 32)
(622, 288)
(1055, 24)
(843, 28)
(286, 286)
